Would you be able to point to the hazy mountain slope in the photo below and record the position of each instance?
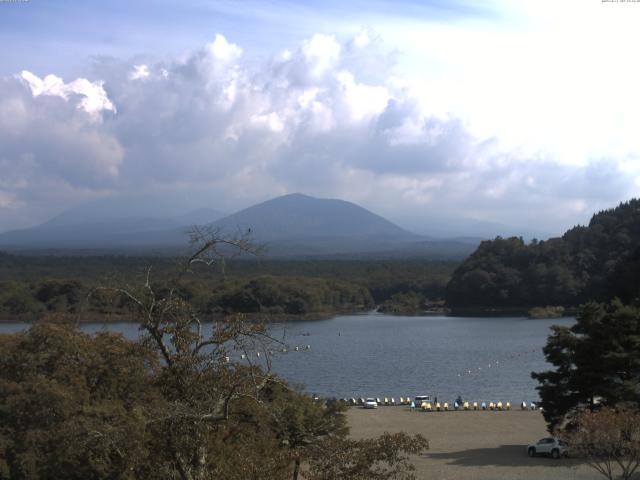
(298, 216)
(293, 225)
(83, 231)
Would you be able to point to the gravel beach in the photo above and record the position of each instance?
(474, 445)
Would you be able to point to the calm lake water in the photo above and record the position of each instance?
(380, 355)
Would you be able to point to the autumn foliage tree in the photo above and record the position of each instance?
(172, 405)
(609, 440)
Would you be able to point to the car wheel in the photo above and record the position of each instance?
(555, 453)
(532, 452)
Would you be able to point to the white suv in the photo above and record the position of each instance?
(370, 403)
(548, 446)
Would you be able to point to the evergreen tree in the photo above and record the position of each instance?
(597, 360)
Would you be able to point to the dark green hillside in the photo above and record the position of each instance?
(596, 262)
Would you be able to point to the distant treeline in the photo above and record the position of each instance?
(596, 262)
(34, 286)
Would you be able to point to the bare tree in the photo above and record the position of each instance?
(609, 440)
(199, 381)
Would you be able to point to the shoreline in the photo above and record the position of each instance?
(276, 318)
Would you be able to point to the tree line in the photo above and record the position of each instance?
(35, 286)
(596, 262)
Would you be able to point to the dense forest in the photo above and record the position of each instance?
(33, 287)
(595, 262)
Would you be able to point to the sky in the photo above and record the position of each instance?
(522, 114)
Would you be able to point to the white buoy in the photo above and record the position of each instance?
(243, 356)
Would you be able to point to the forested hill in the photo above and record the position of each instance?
(596, 262)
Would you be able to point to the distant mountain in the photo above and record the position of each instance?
(84, 231)
(300, 225)
(291, 225)
(298, 216)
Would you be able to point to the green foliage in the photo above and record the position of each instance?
(72, 406)
(48, 284)
(597, 262)
(295, 296)
(404, 303)
(597, 359)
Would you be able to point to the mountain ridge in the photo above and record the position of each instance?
(290, 225)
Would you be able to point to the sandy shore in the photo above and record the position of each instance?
(471, 445)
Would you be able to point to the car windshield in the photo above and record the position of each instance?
(370, 400)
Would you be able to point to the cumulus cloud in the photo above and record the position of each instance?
(93, 97)
(329, 117)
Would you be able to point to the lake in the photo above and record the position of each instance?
(481, 359)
